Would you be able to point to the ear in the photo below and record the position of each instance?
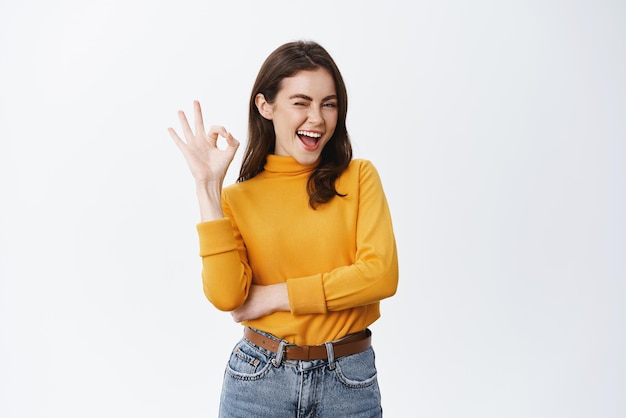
(265, 108)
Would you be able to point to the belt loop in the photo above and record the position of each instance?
(276, 361)
(331, 355)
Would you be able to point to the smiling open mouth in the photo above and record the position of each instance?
(309, 139)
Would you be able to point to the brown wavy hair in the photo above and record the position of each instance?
(284, 62)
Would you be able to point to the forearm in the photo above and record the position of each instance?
(345, 287)
(263, 300)
(209, 201)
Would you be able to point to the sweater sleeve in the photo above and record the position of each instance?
(226, 275)
(374, 274)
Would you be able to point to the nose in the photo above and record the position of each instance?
(315, 114)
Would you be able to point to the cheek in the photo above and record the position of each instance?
(331, 118)
(332, 123)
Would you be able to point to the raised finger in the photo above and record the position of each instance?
(197, 115)
(175, 137)
(184, 123)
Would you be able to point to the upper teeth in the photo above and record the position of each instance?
(311, 134)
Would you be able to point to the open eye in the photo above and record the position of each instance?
(330, 104)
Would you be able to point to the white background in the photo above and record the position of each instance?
(498, 128)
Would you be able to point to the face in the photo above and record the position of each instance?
(304, 114)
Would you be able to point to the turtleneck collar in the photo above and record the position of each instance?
(286, 165)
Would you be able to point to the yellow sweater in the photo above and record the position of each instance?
(338, 261)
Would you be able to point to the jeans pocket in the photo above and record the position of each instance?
(357, 370)
(247, 362)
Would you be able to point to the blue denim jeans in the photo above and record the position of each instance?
(261, 384)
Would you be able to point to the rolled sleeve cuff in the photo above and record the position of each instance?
(216, 237)
(306, 295)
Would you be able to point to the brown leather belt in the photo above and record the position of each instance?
(352, 344)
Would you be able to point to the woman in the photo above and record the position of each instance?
(300, 249)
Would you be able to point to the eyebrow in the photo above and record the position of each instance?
(305, 97)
